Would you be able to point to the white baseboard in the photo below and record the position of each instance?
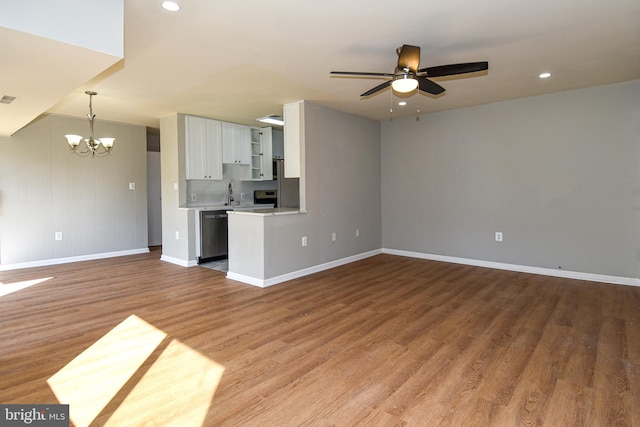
(263, 283)
(519, 268)
(66, 260)
(246, 279)
(178, 261)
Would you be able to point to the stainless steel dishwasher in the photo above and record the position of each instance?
(214, 240)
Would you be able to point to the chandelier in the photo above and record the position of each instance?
(92, 145)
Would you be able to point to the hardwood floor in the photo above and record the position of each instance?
(387, 341)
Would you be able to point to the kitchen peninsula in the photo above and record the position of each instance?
(222, 168)
(337, 159)
(249, 253)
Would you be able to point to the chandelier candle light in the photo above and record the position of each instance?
(92, 144)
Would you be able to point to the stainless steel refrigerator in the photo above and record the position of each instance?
(288, 188)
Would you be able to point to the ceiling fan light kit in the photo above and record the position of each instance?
(404, 83)
(408, 77)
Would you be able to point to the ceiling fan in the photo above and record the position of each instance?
(407, 76)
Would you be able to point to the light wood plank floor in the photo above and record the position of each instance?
(387, 341)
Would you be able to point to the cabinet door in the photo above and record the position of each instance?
(267, 158)
(195, 147)
(203, 150)
(228, 145)
(243, 145)
(213, 149)
(236, 144)
(293, 138)
(277, 144)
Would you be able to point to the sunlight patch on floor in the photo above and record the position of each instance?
(8, 288)
(92, 379)
(175, 390)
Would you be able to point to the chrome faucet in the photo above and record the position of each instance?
(230, 196)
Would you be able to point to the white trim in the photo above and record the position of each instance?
(177, 261)
(263, 283)
(246, 279)
(56, 261)
(618, 280)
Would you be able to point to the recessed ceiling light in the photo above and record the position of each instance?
(171, 6)
(402, 103)
(545, 75)
(272, 119)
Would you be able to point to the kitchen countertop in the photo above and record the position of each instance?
(269, 211)
(226, 207)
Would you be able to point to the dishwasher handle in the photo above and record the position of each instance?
(213, 216)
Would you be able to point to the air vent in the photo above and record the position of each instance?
(6, 99)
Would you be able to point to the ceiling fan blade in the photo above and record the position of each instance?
(409, 57)
(377, 88)
(363, 74)
(426, 85)
(452, 69)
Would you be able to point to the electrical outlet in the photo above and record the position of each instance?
(132, 186)
(193, 197)
(304, 240)
(177, 235)
(357, 232)
(241, 196)
(498, 236)
(333, 237)
(58, 235)
(175, 186)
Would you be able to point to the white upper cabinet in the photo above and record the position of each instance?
(277, 144)
(293, 138)
(203, 148)
(236, 144)
(261, 157)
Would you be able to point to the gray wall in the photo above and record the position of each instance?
(154, 198)
(178, 225)
(558, 174)
(46, 189)
(342, 186)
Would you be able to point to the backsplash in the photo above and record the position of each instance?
(215, 192)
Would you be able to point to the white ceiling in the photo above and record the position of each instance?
(239, 60)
